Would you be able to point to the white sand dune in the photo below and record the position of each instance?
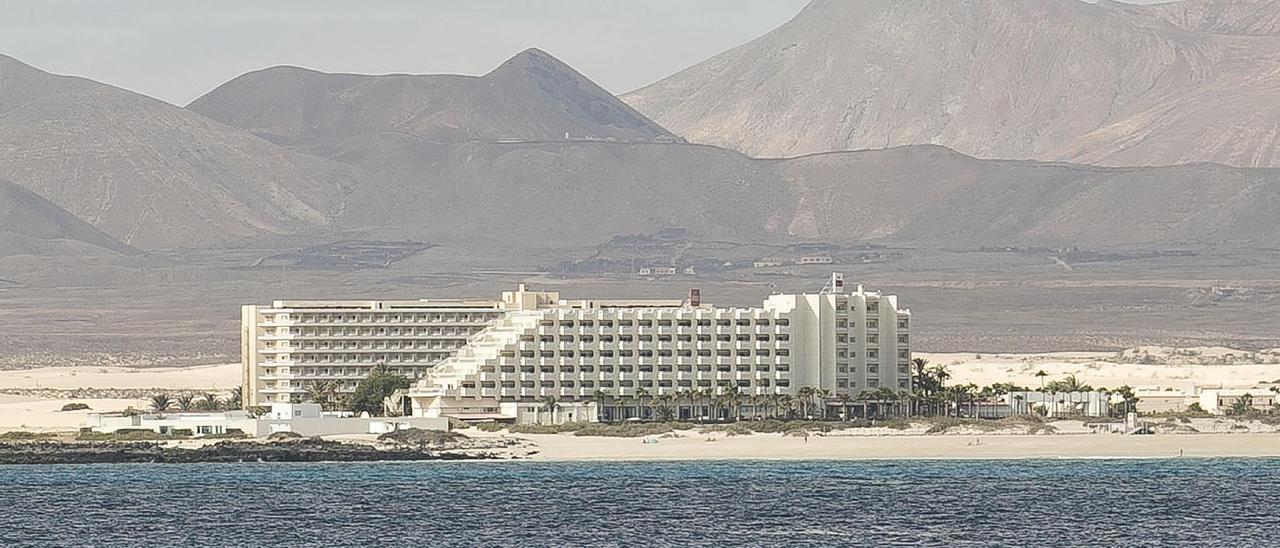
(218, 377)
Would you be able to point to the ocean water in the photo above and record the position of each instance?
(1170, 502)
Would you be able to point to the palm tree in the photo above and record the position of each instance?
(733, 399)
(600, 396)
(186, 401)
(236, 399)
(550, 404)
(1041, 375)
(641, 396)
(845, 400)
(161, 403)
(210, 402)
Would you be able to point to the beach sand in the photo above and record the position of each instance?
(201, 377)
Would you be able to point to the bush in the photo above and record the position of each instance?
(774, 426)
(421, 438)
(458, 424)
(230, 434)
(629, 430)
(75, 407)
(284, 436)
(19, 435)
(490, 426)
(131, 434)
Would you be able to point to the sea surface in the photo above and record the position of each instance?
(1169, 502)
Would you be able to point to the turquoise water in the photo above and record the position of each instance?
(1201, 502)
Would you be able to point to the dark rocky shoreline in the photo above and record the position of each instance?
(303, 450)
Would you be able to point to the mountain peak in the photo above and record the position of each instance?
(532, 96)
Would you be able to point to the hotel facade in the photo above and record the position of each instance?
(288, 345)
(531, 345)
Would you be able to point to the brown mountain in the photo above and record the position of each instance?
(151, 174)
(545, 195)
(25, 215)
(531, 97)
(1106, 84)
(1230, 17)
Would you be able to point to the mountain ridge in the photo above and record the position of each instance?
(1050, 80)
(531, 96)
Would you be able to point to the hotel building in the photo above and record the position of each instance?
(575, 351)
(290, 344)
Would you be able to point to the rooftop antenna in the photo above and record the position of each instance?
(836, 285)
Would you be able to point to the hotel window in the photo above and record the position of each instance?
(566, 338)
(724, 337)
(664, 323)
(566, 323)
(645, 323)
(704, 338)
(626, 338)
(684, 338)
(762, 368)
(744, 338)
(704, 323)
(762, 338)
(588, 384)
(685, 368)
(606, 369)
(488, 384)
(684, 383)
(606, 338)
(724, 353)
(744, 323)
(784, 382)
(626, 323)
(626, 353)
(744, 383)
(724, 322)
(586, 323)
(686, 353)
(627, 384)
(784, 352)
(588, 369)
(664, 338)
(783, 367)
(704, 352)
(664, 384)
(684, 323)
(764, 352)
(646, 338)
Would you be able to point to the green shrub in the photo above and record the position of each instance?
(490, 426)
(75, 407)
(421, 438)
(19, 435)
(630, 429)
(130, 434)
(230, 434)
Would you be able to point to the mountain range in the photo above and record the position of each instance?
(1053, 80)
(972, 123)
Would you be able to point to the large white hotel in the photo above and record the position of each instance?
(506, 356)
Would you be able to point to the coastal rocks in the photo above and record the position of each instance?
(304, 450)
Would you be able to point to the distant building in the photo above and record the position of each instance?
(1056, 404)
(658, 271)
(767, 262)
(816, 259)
(1219, 401)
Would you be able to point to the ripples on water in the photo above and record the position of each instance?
(1223, 502)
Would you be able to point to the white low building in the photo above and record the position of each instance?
(1220, 401)
(1057, 404)
(304, 419)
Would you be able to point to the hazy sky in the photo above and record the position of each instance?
(176, 50)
